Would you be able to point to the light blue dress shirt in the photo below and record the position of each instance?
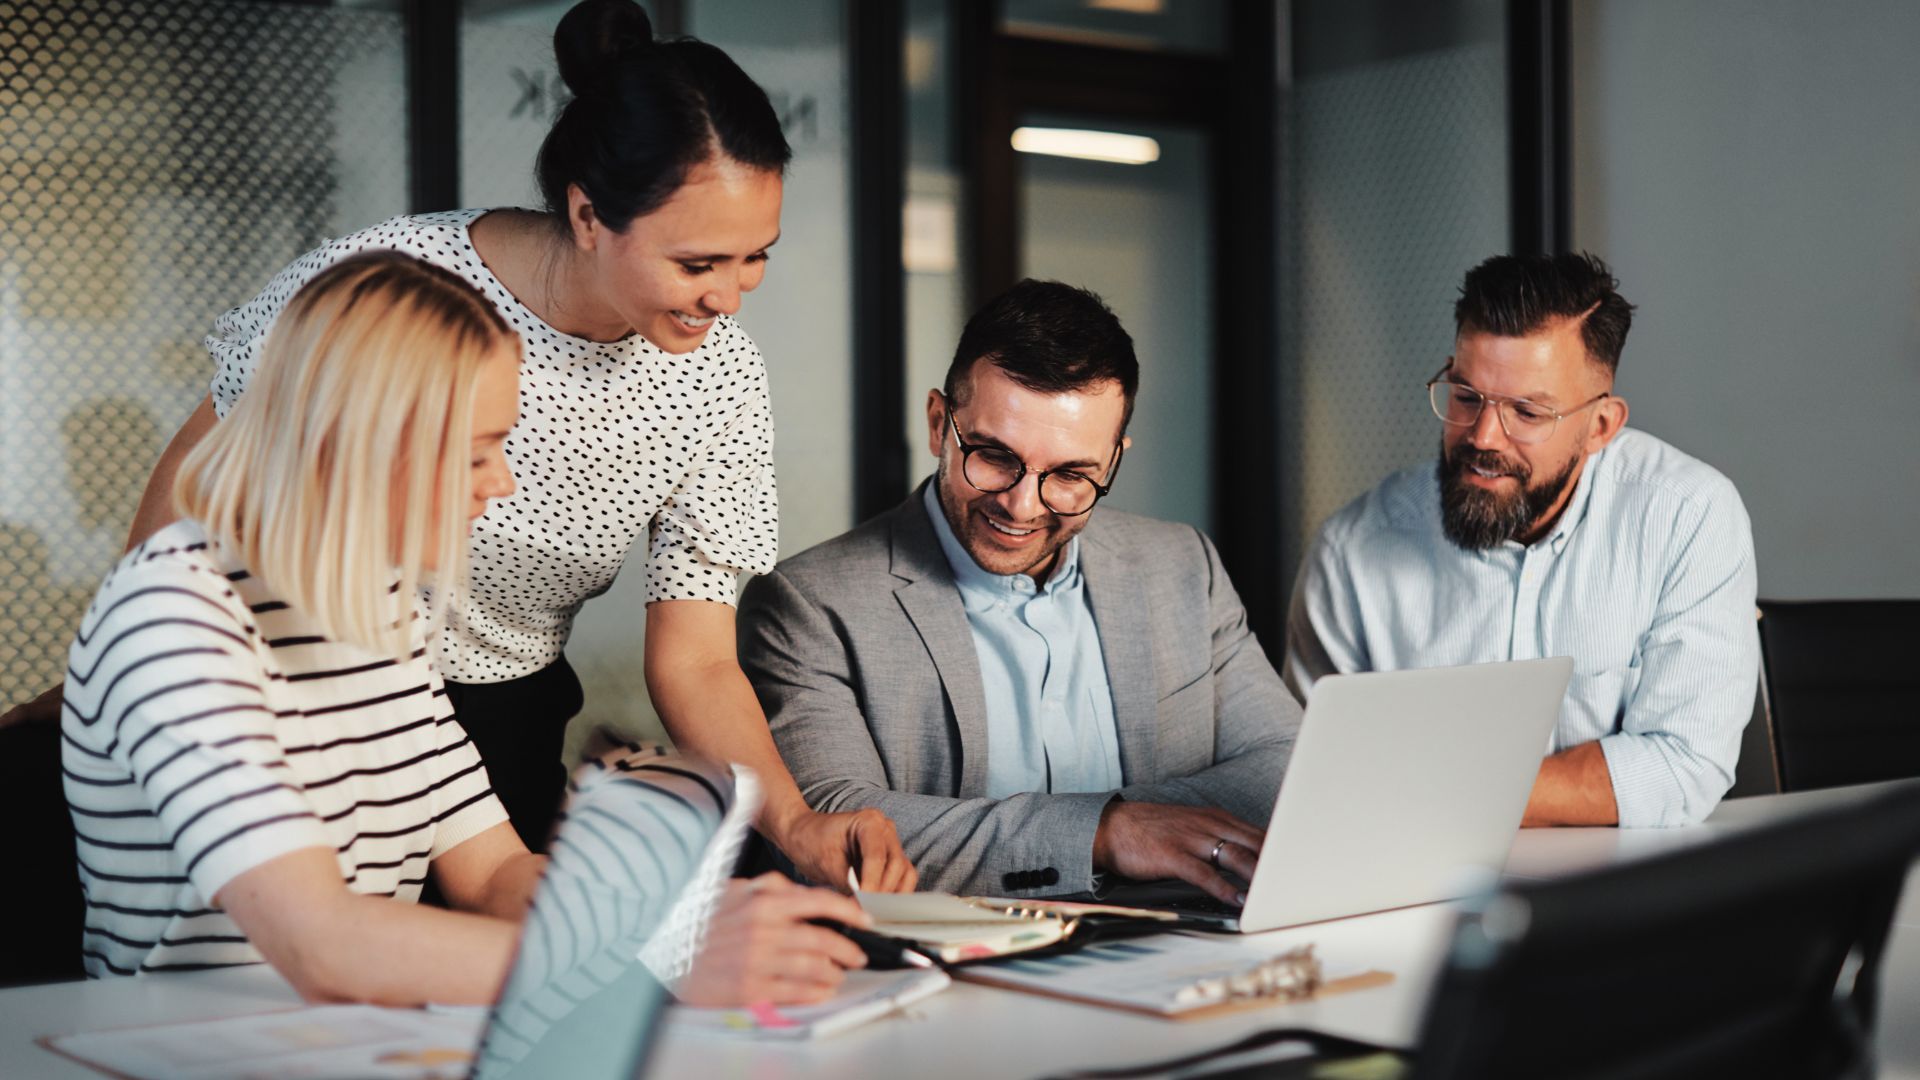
(1050, 722)
(1647, 581)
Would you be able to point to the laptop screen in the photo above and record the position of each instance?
(636, 863)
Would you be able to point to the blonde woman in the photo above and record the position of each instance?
(648, 435)
(261, 762)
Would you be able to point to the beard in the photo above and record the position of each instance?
(1477, 519)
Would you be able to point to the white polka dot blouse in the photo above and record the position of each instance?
(617, 441)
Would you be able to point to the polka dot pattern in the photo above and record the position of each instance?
(617, 440)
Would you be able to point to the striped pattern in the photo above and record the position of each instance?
(1647, 582)
(208, 729)
(644, 845)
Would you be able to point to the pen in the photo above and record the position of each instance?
(883, 953)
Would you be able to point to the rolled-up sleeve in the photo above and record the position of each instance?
(722, 520)
(1674, 755)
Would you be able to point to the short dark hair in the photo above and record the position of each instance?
(1517, 295)
(644, 112)
(1048, 337)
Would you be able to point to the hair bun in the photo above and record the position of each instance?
(594, 36)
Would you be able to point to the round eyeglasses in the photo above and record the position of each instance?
(1065, 492)
(1524, 421)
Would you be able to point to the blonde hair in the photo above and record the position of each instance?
(365, 384)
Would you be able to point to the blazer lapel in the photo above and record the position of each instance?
(1124, 620)
(932, 604)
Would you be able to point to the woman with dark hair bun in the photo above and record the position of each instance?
(645, 420)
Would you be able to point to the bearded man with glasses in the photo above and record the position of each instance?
(1549, 528)
(1040, 693)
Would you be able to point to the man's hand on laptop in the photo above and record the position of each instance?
(1152, 841)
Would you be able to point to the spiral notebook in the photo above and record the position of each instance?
(964, 930)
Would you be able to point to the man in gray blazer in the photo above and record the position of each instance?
(1038, 694)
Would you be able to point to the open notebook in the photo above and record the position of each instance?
(962, 929)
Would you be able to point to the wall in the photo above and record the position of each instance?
(1751, 169)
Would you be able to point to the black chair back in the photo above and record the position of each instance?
(1757, 955)
(1843, 682)
(46, 910)
(1758, 770)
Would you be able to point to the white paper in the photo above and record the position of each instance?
(318, 1041)
(926, 907)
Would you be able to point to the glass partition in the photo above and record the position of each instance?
(159, 170)
(1397, 184)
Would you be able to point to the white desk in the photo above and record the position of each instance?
(972, 1031)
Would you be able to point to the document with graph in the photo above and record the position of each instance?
(1176, 975)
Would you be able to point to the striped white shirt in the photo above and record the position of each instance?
(208, 728)
(1647, 581)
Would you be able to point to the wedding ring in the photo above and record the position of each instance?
(1214, 857)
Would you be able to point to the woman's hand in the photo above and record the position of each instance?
(825, 846)
(760, 947)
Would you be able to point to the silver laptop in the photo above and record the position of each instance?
(1405, 787)
(640, 856)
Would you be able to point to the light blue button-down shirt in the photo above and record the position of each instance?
(1050, 723)
(1647, 581)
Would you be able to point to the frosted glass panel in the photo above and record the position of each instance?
(164, 161)
(1396, 163)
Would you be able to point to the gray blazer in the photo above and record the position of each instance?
(861, 655)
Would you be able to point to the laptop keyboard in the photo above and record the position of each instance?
(1203, 905)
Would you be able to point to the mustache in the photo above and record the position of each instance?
(1467, 457)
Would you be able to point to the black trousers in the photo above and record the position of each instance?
(519, 727)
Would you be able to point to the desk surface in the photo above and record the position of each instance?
(974, 1031)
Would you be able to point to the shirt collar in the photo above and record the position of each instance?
(1576, 510)
(980, 589)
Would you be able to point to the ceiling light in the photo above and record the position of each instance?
(1088, 145)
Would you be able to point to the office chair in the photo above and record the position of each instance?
(1758, 770)
(1758, 955)
(46, 911)
(1843, 680)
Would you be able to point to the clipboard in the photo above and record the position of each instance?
(1174, 977)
